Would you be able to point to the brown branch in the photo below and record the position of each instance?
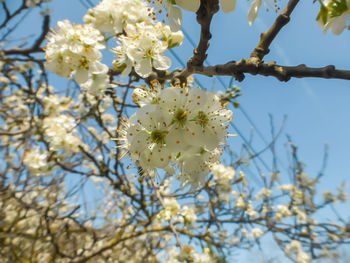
(266, 38)
(205, 15)
(36, 46)
(10, 16)
(282, 73)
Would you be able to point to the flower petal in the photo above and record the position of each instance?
(228, 5)
(253, 11)
(81, 75)
(143, 68)
(162, 63)
(189, 5)
(174, 18)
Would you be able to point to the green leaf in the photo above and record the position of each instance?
(337, 7)
(323, 14)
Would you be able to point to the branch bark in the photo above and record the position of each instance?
(282, 73)
(205, 15)
(36, 45)
(266, 38)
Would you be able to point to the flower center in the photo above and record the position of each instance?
(149, 53)
(84, 63)
(158, 136)
(180, 117)
(202, 118)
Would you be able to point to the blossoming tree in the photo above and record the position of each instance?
(160, 189)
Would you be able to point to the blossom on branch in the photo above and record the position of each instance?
(177, 127)
(112, 16)
(143, 48)
(174, 13)
(334, 15)
(74, 49)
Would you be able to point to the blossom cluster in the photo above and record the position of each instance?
(33, 3)
(188, 254)
(59, 127)
(180, 214)
(176, 127)
(174, 13)
(112, 16)
(143, 47)
(74, 49)
(334, 15)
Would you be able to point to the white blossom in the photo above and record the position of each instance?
(256, 233)
(155, 136)
(174, 12)
(282, 211)
(112, 16)
(61, 133)
(74, 49)
(228, 5)
(253, 11)
(142, 48)
(37, 161)
(334, 15)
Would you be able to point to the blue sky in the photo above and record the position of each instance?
(317, 109)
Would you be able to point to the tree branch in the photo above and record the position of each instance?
(37, 43)
(266, 38)
(205, 15)
(282, 73)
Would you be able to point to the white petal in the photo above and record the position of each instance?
(189, 5)
(228, 5)
(196, 99)
(143, 68)
(143, 116)
(339, 24)
(198, 136)
(174, 18)
(175, 140)
(81, 75)
(127, 70)
(98, 68)
(162, 63)
(253, 11)
(160, 157)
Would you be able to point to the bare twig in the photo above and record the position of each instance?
(36, 46)
(266, 38)
(282, 73)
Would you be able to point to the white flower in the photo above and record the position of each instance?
(145, 96)
(253, 11)
(223, 175)
(228, 5)
(112, 16)
(240, 203)
(282, 211)
(174, 13)
(75, 49)
(142, 48)
(155, 135)
(198, 119)
(256, 232)
(61, 133)
(296, 248)
(33, 3)
(334, 15)
(194, 164)
(36, 161)
(171, 208)
(96, 84)
(147, 139)
(189, 215)
(264, 193)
